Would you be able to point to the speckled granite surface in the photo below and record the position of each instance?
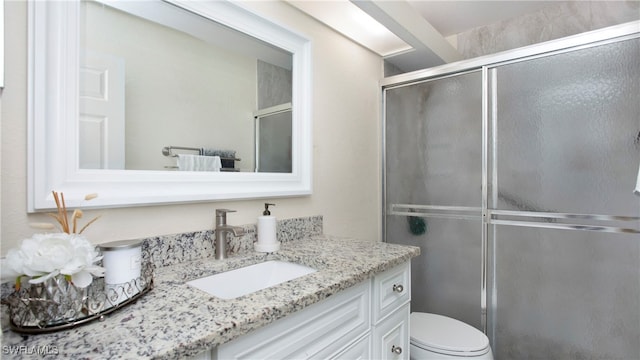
(167, 250)
(177, 248)
(175, 320)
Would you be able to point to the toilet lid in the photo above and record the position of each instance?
(441, 333)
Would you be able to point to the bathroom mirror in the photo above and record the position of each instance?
(58, 52)
(182, 83)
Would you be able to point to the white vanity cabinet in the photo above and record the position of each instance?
(367, 321)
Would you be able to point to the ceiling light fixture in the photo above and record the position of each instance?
(352, 22)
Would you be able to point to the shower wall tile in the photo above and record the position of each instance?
(556, 21)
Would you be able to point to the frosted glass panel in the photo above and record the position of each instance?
(567, 141)
(566, 294)
(568, 128)
(433, 157)
(446, 277)
(274, 143)
(434, 143)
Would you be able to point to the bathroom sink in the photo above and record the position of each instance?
(243, 281)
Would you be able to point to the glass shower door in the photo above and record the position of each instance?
(566, 135)
(273, 130)
(433, 178)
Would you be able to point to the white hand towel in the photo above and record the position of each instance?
(209, 163)
(198, 163)
(186, 162)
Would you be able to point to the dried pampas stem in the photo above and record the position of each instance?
(89, 223)
(44, 226)
(77, 214)
(62, 216)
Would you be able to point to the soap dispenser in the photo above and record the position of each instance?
(267, 239)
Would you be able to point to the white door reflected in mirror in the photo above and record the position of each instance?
(102, 116)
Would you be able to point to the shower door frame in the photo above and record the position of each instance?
(487, 65)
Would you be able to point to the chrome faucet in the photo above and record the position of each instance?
(222, 229)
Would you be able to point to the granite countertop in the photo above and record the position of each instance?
(175, 320)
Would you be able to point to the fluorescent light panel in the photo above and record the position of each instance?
(352, 22)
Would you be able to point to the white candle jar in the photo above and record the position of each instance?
(122, 261)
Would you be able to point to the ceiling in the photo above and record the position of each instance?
(420, 27)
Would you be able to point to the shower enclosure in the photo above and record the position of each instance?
(514, 174)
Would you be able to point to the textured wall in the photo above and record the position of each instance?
(553, 22)
(274, 85)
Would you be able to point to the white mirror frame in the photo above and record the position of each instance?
(53, 114)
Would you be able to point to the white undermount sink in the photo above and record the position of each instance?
(243, 281)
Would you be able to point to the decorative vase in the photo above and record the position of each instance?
(51, 302)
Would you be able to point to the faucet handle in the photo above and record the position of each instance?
(223, 212)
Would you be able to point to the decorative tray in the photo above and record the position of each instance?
(57, 304)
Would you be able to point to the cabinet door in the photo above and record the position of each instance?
(360, 350)
(318, 331)
(391, 336)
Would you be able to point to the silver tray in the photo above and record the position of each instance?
(56, 304)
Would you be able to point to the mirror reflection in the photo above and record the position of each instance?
(165, 89)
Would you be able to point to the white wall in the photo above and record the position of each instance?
(346, 186)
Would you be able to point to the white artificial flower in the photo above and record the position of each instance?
(44, 256)
(12, 266)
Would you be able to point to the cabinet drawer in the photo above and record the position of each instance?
(391, 336)
(391, 289)
(317, 331)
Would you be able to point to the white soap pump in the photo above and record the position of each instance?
(267, 239)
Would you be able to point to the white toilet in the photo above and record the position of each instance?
(440, 337)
